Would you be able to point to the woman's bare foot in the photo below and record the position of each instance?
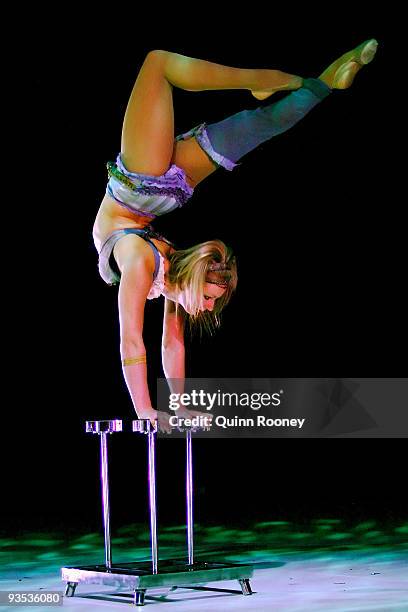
(340, 74)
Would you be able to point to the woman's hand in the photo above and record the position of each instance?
(162, 418)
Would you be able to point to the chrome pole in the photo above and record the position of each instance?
(152, 498)
(105, 499)
(189, 497)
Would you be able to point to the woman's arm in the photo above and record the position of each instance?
(136, 263)
(173, 351)
(173, 356)
(135, 284)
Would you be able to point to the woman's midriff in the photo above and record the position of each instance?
(112, 216)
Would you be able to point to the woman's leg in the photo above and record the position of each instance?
(148, 128)
(227, 141)
(224, 143)
(241, 133)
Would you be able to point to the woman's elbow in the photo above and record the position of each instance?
(131, 343)
(173, 344)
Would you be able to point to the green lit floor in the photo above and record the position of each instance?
(323, 565)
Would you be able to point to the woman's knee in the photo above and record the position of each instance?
(156, 56)
(155, 63)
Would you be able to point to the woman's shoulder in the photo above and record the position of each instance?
(133, 248)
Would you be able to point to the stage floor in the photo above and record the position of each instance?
(329, 578)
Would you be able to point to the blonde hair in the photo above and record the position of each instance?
(191, 268)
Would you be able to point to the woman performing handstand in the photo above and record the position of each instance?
(156, 173)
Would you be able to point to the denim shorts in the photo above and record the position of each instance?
(201, 136)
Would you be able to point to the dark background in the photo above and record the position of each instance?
(316, 220)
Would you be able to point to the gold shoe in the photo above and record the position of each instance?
(341, 73)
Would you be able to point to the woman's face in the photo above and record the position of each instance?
(211, 293)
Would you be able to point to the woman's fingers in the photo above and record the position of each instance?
(163, 422)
